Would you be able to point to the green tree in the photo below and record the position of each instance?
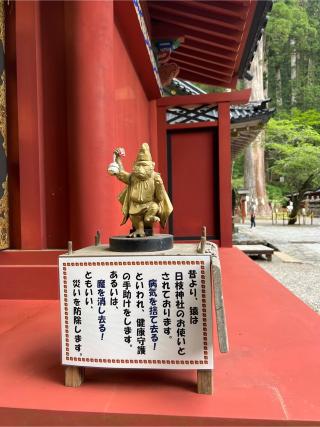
(293, 51)
(292, 130)
(294, 154)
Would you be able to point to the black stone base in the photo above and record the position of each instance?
(159, 242)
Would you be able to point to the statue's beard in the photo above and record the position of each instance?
(142, 176)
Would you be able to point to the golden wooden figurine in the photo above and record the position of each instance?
(145, 199)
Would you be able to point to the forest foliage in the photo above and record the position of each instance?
(293, 54)
(292, 81)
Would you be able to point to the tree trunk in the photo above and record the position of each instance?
(254, 170)
(249, 175)
(265, 68)
(278, 87)
(310, 71)
(295, 209)
(297, 200)
(263, 207)
(293, 71)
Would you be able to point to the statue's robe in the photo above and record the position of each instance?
(140, 194)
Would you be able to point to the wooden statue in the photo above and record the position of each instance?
(145, 199)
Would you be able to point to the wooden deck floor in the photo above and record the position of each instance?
(272, 371)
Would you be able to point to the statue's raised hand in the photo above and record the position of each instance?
(119, 152)
(116, 166)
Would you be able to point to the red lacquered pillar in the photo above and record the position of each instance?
(30, 126)
(89, 58)
(225, 188)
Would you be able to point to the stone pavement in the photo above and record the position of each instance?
(297, 265)
(299, 241)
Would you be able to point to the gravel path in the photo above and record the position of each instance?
(301, 272)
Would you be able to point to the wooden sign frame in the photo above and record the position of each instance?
(75, 371)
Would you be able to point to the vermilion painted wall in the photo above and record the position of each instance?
(50, 52)
(35, 61)
(54, 123)
(193, 181)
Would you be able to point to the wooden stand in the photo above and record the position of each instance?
(74, 376)
(204, 381)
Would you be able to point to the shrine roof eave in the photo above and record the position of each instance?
(220, 38)
(246, 127)
(259, 22)
(250, 112)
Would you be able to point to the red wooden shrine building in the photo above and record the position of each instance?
(85, 77)
(82, 79)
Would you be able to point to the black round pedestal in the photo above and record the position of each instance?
(159, 242)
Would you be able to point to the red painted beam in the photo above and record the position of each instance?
(225, 189)
(194, 45)
(202, 66)
(216, 14)
(187, 75)
(228, 29)
(234, 81)
(249, 19)
(162, 141)
(146, 14)
(127, 20)
(233, 3)
(220, 9)
(204, 59)
(234, 97)
(198, 72)
(162, 147)
(196, 30)
(186, 126)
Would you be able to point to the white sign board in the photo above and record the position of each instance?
(136, 312)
